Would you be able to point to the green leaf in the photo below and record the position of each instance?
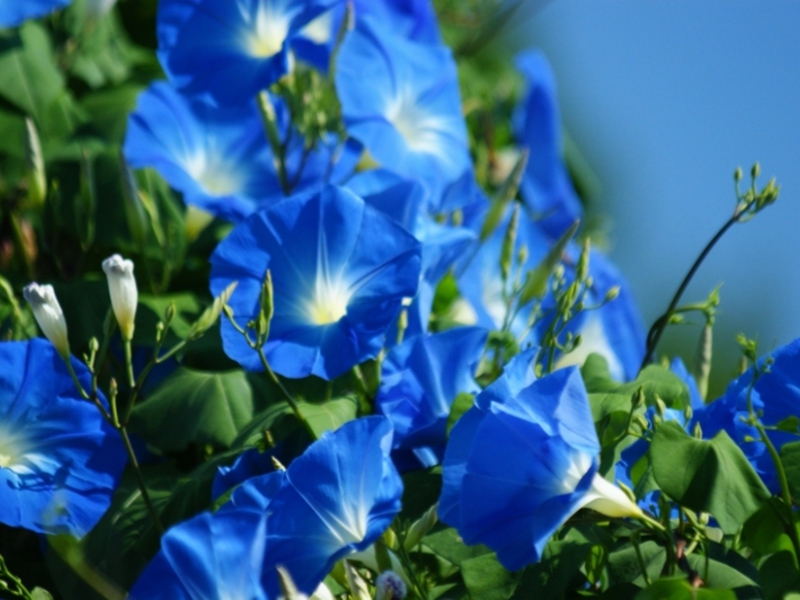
(29, 77)
(790, 457)
(199, 407)
(110, 109)
(654, 380)
(722, 576)
(41, 594)
(277, 418)
(487, 579)
(330, 415)
(679, 588)
(446, 542)
(779, 575)
(623, 564)
(706, 476)
(595, 373)
(764, 532)
(549, 579)
(790, 424)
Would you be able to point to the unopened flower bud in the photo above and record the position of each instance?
(390, 586)
(124, 295)
(34, 163)
(737, 174)
(49, 315)
(612, 294)
(755, 171)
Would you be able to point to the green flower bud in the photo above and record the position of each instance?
(34, 165)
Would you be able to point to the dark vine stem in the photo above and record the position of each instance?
(660, 324)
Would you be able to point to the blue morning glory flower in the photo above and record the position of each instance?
(16, 12)
(335, 499)
(60, 461)
(420, 379)
(546, 186)
(210, 557)
(403, 200)
(776, 397)
(401, 100)
(230, 50)
(515, 506)
(340, 271)
(219, 157)
(412, 19)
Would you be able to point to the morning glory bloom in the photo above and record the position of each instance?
(230, 50)
(403, 200)
(16, 12)
(420, 379)
(775, 397)
(340, 270)
(210, 557)
(401, 100)
(412, 19)
(546, 186)
(515, 506)
(334, 500)
(218, 158)
(60, 461)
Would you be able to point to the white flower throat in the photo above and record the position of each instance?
(329, 302)
(330, 293)
(268, 32)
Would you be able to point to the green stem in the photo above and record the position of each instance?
(785, 492)
(140, 480)
(640, 558)
(267, 111)
(292, 402)
(776, 459)
(21, 591)
(129, 363)
(660, 325)
(408, 567)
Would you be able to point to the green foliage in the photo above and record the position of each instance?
(328, 416)
(679, 588)
(202, 407)
(790, 457)
(706, 476)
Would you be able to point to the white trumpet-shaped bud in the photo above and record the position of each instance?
(49, 315)
(607, 499)
(124, 295)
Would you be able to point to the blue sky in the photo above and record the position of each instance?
(665, 98)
